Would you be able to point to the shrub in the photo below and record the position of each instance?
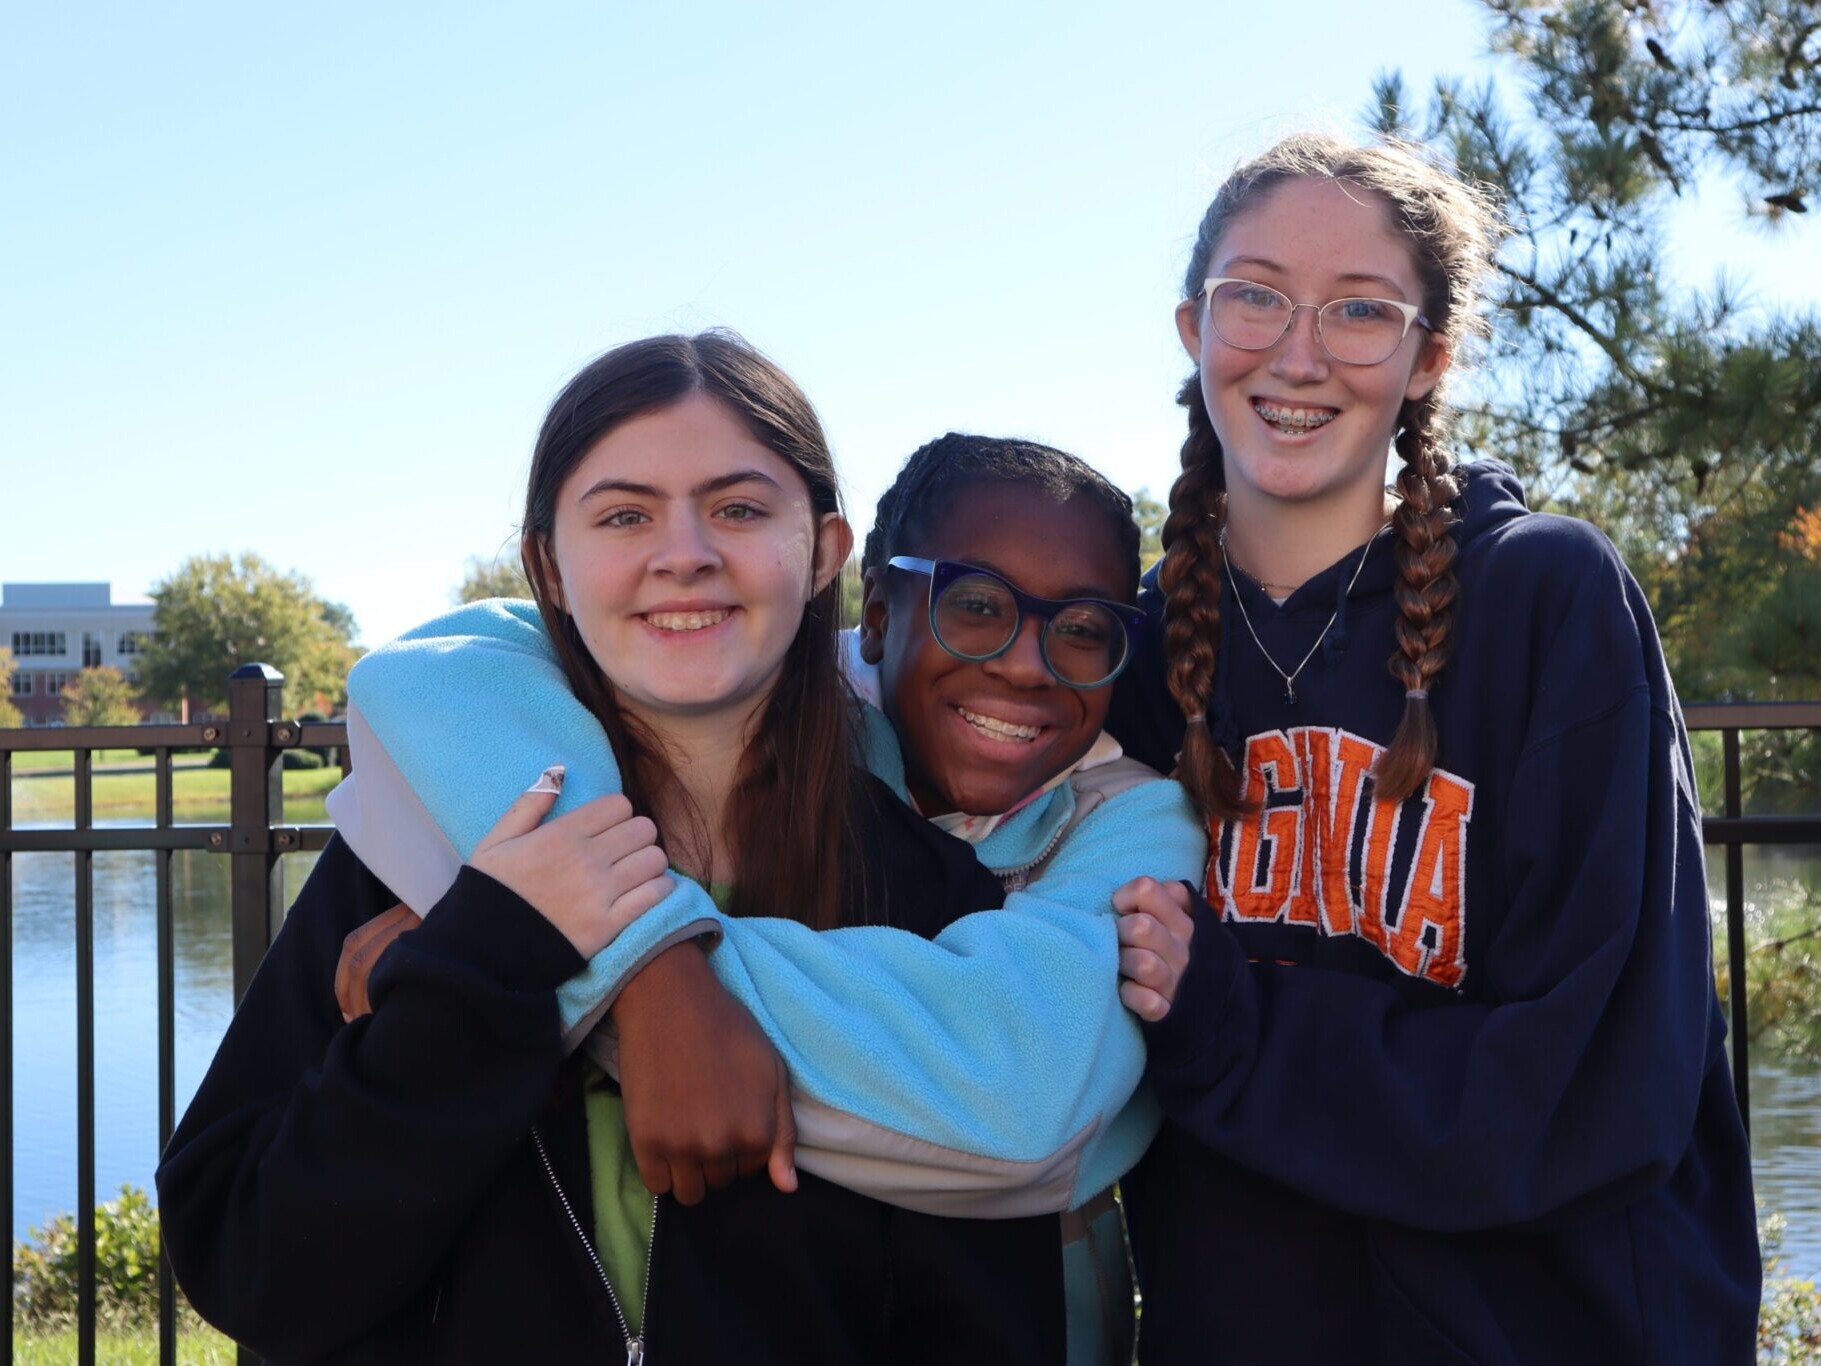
(126, 1266)
(330, 754)
(1789, 1318)
(293, 758)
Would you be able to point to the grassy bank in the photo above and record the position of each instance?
(196, 1343)
(40, 760)
(198, 795)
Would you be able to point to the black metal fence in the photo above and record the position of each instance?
(1733, 830)
(256, 734)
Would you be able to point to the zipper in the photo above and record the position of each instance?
(1015, 879)
(635, 1345)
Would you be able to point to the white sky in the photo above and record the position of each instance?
(302, 280)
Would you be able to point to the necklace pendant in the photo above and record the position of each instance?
(1290, 692)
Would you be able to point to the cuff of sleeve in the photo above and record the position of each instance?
(1202, 998)
(486, 923)
(687, 913)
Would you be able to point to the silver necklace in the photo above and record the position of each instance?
(1245, 616)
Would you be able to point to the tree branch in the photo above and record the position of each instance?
(1609, 345)
(1778, 945)
(1744, 125)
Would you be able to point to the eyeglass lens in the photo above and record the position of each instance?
(1354, 331)
(976, 617)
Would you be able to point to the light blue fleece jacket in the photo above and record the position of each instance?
(998, 1050)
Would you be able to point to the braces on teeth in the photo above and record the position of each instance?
(1302, 419)
(1003, 729)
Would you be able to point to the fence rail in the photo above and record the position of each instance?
(256, 734)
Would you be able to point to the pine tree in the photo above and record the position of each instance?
(1685, 422)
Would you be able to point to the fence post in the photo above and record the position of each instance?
(256, 803)
(1740, 1019)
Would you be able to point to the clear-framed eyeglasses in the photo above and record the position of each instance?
(975, 615)
(1254, 317)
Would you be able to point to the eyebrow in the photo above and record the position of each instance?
(1268, 264)
(1099, 592)
(706, 487)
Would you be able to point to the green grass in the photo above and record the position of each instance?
(39, 760)
(196, 1343)
(198, 796)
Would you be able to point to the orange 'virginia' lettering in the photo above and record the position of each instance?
(1437, 886)
(1294, 858)
(1261, 886)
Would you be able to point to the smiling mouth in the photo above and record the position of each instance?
(681, 622)
(1293, 421)
(1006, 732)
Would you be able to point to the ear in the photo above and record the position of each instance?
(535, 555)
(1432, 363)
(834, 543)
(875, 617)
(1188, 326)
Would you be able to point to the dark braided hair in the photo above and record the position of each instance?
(1453, 229)
(1190, 578)
(941, 469)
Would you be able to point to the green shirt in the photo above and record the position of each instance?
(622, 1205)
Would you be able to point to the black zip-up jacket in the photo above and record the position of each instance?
(369, 1192)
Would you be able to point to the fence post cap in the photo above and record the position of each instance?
(262, 671)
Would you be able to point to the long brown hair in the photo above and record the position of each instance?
(790, 831)
(1453, 230)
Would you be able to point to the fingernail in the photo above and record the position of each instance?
(550, 780)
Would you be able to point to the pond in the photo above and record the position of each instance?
(1786, 1097)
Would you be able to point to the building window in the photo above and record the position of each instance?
(133, 642)
(91, 650)
(39, 643)
(54, 684)
(22, 685)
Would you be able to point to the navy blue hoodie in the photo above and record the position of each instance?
(1446, 1080)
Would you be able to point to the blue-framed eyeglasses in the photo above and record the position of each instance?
(975, 615)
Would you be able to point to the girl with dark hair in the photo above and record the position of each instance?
(1444, 1078)
(682, 536)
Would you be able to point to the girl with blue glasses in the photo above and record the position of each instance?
(442, 1164)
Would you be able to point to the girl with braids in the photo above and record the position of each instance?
(1444, 1078)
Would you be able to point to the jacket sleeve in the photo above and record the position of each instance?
(992, 1058)
(1569, 1084)
(323, 1170)
(998, 1051)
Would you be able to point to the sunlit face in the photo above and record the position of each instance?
(1295, 424)
(686, 551)
(981, 737)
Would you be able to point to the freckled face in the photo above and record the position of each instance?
(982, 737)
(1313, 241)
(686, 550)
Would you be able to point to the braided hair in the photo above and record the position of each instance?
(941, 469)
(1453, 229)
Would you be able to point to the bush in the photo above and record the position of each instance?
(293, 758)
(127, 1248)
(331, 755)
(1789, 1319)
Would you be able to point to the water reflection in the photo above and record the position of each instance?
(126, 1016)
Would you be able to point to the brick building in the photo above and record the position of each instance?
(56, 630)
